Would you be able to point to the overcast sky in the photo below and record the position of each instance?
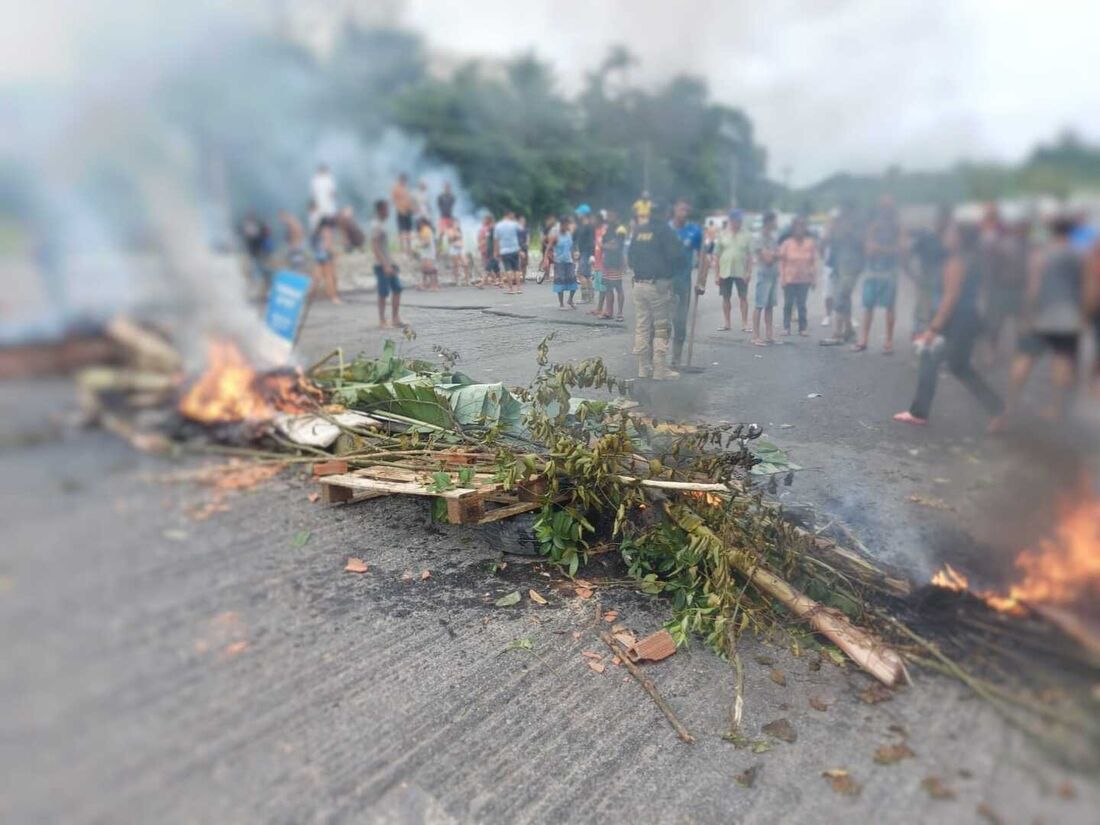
(830, 84)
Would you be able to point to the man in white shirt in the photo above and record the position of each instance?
(323, 188)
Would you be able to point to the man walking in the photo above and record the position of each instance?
(691, 242)
(654, 254)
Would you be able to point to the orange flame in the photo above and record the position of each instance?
(950, 579)
(1063, 569)
(707, 497)
(231, 390)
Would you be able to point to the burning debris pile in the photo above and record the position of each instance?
(680, 503)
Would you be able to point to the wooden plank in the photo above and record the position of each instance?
(328, 468)
(465, 510)
(376, 485)
(335, 495)
(509, 511)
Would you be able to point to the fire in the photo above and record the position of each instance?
(1063, 569)
(232, 390)
(711, 499)
(950, 579)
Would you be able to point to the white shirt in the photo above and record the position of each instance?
(323, 189)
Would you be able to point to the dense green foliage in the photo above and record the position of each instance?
(515, 139)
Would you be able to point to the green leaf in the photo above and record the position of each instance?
(300, 538)
(526, 643)
(441, 482)
(508, 600)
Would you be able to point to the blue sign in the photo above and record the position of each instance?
(286, 304)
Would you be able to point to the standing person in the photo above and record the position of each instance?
(489, 263)
(884, 246)
(322, 188)
(954, 329)
(613, 261)
(597, 265)
(565, 278)
(1005, 255)
(506, 250)
(446, 205)
(423, 200)
(524, 248)
(799, 266)
(655, 254)
(404, 205)
(295, 238)
(691, 244)
(845, 242)
(546, 248)
(456, 253)
(1092, 311)
(385, 270)
(766, 253)
(323, 253)
(733, 248)
(426, 251)
(257, 242)
(642, 208)
(930, 254)
(585, 247)
(1053, 305)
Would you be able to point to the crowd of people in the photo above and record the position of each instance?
(975, 282)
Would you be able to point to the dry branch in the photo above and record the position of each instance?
(649, 688)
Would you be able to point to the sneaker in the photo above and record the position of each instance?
(645, 372)
(667, 375)
(827, 321)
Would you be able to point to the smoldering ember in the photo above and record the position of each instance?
(566, 459)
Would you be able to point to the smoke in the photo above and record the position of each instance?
(121, 181)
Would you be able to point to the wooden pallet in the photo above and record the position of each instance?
(465, 505)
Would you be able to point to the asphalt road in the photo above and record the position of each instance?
(162, 667)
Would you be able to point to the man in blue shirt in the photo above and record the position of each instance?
(691, 240)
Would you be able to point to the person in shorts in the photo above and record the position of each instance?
(489, 262)
(323, 243)
(845, 241)
(584, 244)
(426, 252)
(385, 271)
(506, 249)
(1053, 311)
(404, 203)
(733, 249)
(766, 296)
(565, 275)
(446, 205)
(883, 248)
